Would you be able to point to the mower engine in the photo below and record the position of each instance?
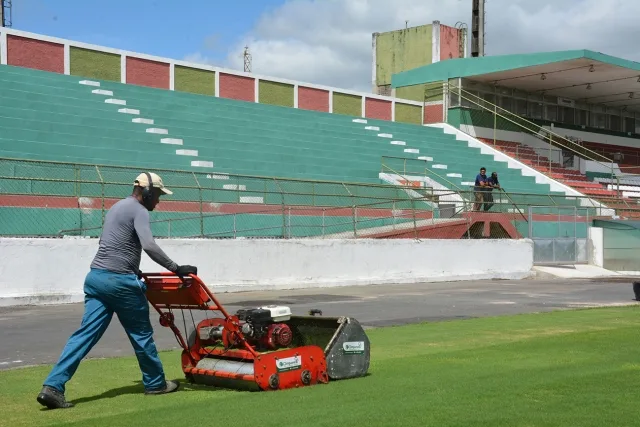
(262, 329)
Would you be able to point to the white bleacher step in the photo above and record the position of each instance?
(468, 183)
(141, 120)
(359, 121)
(115, 101)
(439, 166)
(412, 150)
(234, 187)
(201, 164)
(187, 153)
(454, 175)
(102, 92)
(223, 176)
(129, 111)
(89, 83)
(251, 199)
(385, 135)
(158, 130)
(398, 143)
(372, 128)
(426, 158)
(174, 141)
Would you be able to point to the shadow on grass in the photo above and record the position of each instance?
(138, 388)
(185, 386)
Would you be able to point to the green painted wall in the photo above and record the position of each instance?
(350, 105)
(412, 93)
(402, 50)
(275, 93)
(407, 113)
(94, 64)
(422, 93)
(193, 80)
(466, 116)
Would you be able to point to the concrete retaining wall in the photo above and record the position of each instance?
(51, 271)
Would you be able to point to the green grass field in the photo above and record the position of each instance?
(569, 368)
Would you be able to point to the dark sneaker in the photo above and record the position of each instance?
(52, 398)
(169, 388)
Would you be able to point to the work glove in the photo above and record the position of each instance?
(185, 270)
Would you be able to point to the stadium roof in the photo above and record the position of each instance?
(581, 75)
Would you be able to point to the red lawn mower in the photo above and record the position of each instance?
(259, 348)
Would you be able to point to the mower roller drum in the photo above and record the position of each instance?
(260, 348)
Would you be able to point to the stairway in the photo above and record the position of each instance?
(625, 206)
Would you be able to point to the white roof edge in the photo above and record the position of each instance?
(72, 43)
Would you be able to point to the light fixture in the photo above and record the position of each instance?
(588, 86)
(591, 69)
(543, 77)
(630, 94)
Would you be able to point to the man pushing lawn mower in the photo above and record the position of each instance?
(113, 285)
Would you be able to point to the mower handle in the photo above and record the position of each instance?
(172, 274)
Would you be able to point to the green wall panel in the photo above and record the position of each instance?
(407, 113)
(350, 105)
(411, 93)
(275, 93)
(194, 80)
(402, 50)
(422, 93)
(94, 64)
(479, 118)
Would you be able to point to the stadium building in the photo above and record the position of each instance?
(256, 156)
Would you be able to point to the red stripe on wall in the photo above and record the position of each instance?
(237, 87)
(313, 99)
(433, 113)
(449, 42)
(377, 109)
(38, 54)
(56, 202)
(143, 72)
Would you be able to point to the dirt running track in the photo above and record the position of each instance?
(35, 335)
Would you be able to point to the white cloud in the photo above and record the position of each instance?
(329, 41)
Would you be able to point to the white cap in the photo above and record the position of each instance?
(143, 181)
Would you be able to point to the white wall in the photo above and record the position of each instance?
(595, 245)
(233, 265)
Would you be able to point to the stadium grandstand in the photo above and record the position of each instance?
(256, 156)
(572, 115)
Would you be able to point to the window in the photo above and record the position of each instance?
(614, 123)
(629, 124)
(535, 110)
(551, 113)
(566, 115)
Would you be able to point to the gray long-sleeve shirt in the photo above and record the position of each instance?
(125, 233)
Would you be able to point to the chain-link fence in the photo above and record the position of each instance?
(45, 199)
(58, 199)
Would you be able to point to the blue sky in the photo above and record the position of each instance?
(322, 41)
(167, 28)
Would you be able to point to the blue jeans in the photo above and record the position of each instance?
(107, 293)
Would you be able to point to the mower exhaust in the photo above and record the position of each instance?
(261, 348)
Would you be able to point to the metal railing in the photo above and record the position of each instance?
(504, 116)
(53, 199)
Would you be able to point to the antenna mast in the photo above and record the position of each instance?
(247, 60)
(5, 13)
